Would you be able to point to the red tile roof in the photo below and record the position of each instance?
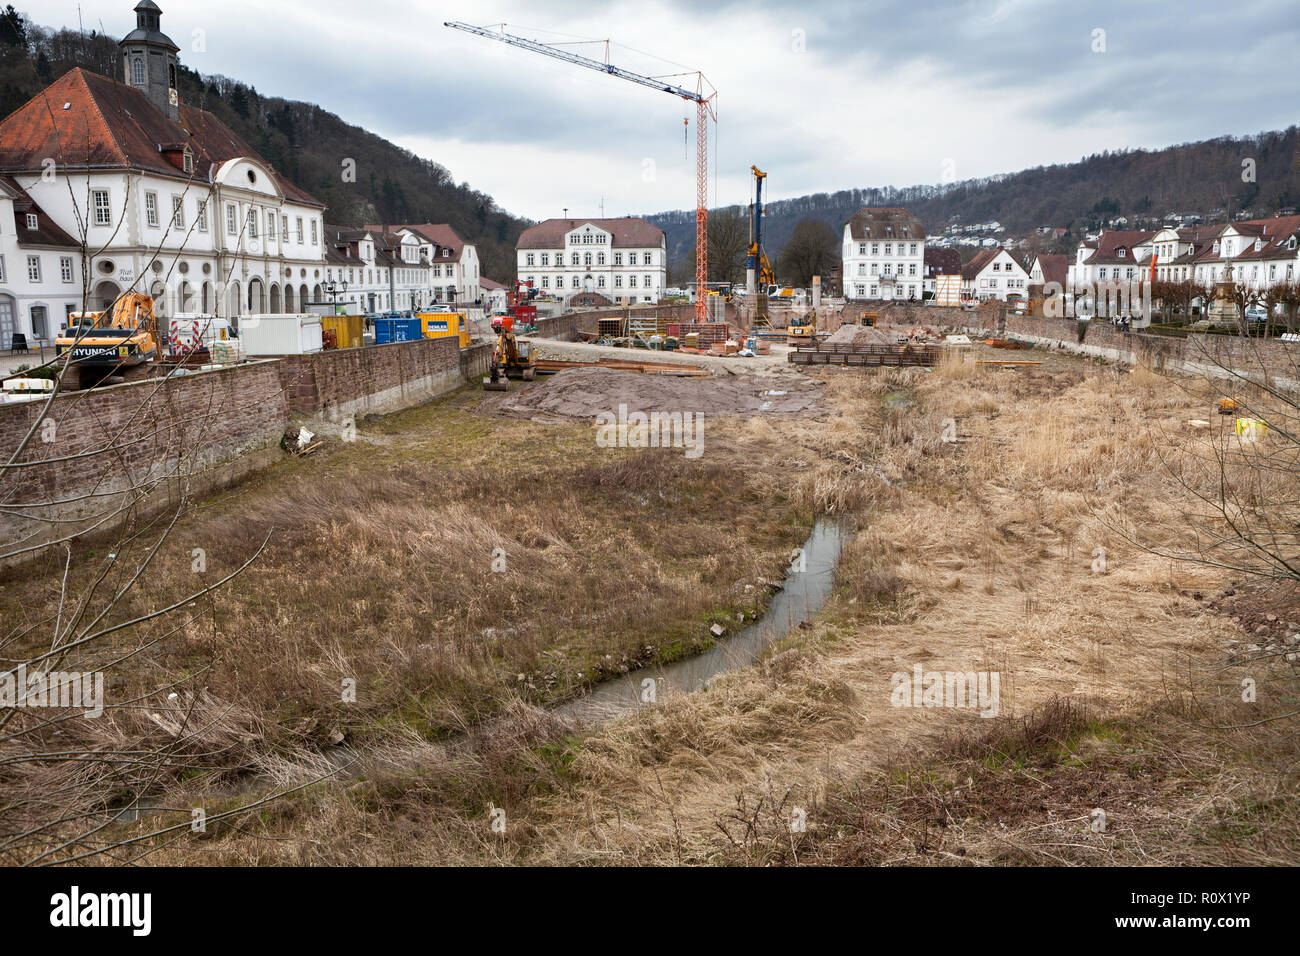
(884, 223)
(1112, 242)
(944, 262)
(628, 232)
(982, 258)
(47, 231)
(1055, 268)
(440, 234)
(109, 124)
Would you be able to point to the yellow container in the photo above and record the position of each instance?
(347, 329)
(437, 325)
(1251, 428)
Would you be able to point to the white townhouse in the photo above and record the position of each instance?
(1114, 256)
(883, 255)
(994, 274)
(174, 203)
(1047, 268)
(453, 262)
(40, 270)
(396, 268)
(358, 263)
(1261, 253)
(622, 260)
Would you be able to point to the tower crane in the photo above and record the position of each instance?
(703, 96)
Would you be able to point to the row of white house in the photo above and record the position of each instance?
(1256, 252)
(165, 199)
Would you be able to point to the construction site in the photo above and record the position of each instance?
(739, 579)
(646, 651)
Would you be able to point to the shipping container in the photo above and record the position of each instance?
(280, 334)
(347, 330)
(403, 329)
(437, 325)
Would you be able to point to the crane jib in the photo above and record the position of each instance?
(705, 109)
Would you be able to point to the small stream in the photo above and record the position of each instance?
(803, 595)
(799, 601)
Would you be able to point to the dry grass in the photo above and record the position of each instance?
(975, 554)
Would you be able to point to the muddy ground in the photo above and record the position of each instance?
(584, 393)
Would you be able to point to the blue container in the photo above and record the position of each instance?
(396, 330)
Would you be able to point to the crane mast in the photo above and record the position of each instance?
(702, 96)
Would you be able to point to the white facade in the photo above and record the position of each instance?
(883, 255)
(234, 245)
(883, 269)
(590, 260)
(40, 280)
(424, 273)
(998, 278)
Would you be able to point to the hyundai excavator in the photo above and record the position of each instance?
(121, 340)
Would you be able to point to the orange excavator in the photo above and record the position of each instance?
(510, 357)
(120, 341)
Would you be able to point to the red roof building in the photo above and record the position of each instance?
(172, 202)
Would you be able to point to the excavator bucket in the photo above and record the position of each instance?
(496, 382)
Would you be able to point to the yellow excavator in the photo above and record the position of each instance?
(509, 357)
(802, 330)
(121, 340)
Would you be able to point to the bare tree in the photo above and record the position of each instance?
(813, 249)
(88, 731)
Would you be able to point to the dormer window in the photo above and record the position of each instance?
(31, 220)
(1121, 253)
(187, 161)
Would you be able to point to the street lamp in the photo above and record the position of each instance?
(334, 289)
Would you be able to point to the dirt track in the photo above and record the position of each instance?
(583, 393)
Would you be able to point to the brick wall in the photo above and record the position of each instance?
(1197, 354)
(204, 429)
(192, 432)
(379, 378)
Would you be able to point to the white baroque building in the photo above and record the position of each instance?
(624, 260)
(883, 255)
(166, 199)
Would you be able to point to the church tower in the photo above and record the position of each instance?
(149, 60)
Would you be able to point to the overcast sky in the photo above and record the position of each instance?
(823, 95)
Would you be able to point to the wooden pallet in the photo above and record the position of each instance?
(866, 355)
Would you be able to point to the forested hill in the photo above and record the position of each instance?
(1206, 178)
(306, 143)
